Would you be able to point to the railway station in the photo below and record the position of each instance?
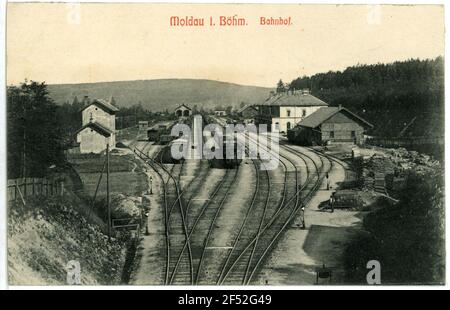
(220, 230)
(304, 147)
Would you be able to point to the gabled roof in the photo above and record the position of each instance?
(182, 105)
(321, 115)
(97, 127)
(245, 107)
(297, 99)
(103, 104)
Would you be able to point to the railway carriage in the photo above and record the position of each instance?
(227, 162)
(160, 134)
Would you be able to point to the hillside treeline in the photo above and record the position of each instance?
(34, 131)
(407, 94)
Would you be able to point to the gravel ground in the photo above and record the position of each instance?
(149, 267)
(299, 252)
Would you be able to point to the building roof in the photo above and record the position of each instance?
(103, 104)
(295, 99)
(97, 127)
(182, 105)
(245, 107)
(321, 115)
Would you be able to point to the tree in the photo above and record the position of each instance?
(75, 101)
(387, 95)
(34, 131)
(280, 87)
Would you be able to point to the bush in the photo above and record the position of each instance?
(407, 238)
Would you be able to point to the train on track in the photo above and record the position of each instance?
(227, 162)
(159, 134)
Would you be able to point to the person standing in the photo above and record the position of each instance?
(332, 202)
(328, 182)
(303, 217)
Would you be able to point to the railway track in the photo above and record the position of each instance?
(189, 257)
(250, 228)
(175, 224)
(249, 244)
(202, 224)
(280, 220)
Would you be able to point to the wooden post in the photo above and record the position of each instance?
(24, 181)
(62, 187)
(107, 191)
(15, 190)
(21, 196)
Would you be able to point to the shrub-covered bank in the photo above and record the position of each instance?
(407, 238)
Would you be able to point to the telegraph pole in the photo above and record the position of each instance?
(107, 191)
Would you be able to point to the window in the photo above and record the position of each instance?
(288, 113)
(277, 126)
(288, 125)
(332, 134)
(353, 134)
(303, 112)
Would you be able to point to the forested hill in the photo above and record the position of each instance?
(159, 95)
(390, 96)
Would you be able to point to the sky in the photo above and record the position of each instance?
(66, 43)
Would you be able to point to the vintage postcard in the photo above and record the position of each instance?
(224, 144)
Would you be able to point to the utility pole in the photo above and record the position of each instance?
(107, 191)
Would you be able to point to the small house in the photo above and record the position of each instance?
(143, 125)
(98, 126)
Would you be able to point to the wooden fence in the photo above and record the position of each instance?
(405, 142)
(25, 187)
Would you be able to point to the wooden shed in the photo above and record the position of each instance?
(248, 113)
(330, 125)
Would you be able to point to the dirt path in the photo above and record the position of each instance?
(299, 252)
(149, 266)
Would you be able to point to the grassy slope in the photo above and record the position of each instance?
(126, 175)
(163, 94)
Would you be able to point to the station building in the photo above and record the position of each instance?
(281, 112)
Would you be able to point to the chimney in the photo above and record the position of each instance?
(340, 106)
(86, 100)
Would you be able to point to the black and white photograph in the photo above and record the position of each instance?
(224, 145)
